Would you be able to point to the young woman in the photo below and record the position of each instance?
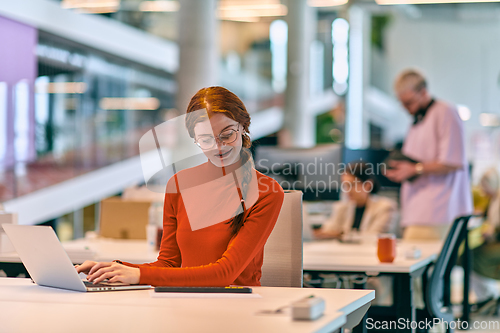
(486, 263)
(363, 211)
(220, 254)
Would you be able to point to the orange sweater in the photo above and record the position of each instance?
(211, 256)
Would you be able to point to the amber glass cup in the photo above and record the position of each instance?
(386, 250)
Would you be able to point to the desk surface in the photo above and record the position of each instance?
(101, 249)
(324, 255)
(57, 310)
(331, 255)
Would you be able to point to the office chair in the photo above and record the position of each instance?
(283, 251)
(436, 299)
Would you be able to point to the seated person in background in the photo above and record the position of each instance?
(363, 211)
(226, 253)
(486, 263)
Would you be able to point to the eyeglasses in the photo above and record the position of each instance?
(225, 137)
(413, 100)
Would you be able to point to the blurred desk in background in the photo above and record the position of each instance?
(79, 250)
(331, 256)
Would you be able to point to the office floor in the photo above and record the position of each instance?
(485, 322)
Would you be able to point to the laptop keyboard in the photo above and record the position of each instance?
(92, 285)
(106, 286)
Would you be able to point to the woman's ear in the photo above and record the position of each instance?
(246, 141)
(369, 186)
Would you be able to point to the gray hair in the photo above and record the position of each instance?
(410, 79)
(490, 181)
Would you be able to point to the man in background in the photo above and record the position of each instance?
(435, 189)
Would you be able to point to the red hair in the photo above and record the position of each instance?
(218, 100)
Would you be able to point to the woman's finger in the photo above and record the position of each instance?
(105, 276)
(99, 272)
(116, 278)
(85, 267)
(98, 266)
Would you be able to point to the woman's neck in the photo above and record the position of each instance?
(226, 169)
(361, 201)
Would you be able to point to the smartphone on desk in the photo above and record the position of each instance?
(238, 290)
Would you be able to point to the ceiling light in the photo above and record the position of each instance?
(489, 119)
(463, 112)
(413, 2)
(250, 11)
(61, 88)
(241, 19)
(129, 103)
(326, 3)
(230, 3)
(159, 6)
(255, 6)
(92, 6)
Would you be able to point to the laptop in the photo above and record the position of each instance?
(48, 263)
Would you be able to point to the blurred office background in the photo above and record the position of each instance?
(82, 80)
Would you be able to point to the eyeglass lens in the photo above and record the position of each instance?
(225, 137)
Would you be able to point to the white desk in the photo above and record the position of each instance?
(25, 307)
(331, 256)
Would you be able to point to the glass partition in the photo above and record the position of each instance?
(90, 110)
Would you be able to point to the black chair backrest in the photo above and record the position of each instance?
(442, 269)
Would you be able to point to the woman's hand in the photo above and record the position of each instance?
(113, 271)
(85, 267)
(488, 232)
